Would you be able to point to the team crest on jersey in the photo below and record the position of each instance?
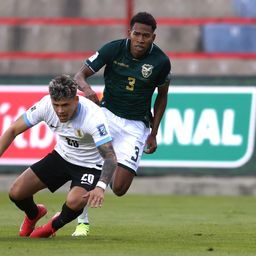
(146, 70)
(79, 133)
(102, 129)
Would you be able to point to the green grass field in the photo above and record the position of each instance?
(142, 225)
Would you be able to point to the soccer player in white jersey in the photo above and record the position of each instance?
(83, 155)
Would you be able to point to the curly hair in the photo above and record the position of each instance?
(143, 18)
(62, 87)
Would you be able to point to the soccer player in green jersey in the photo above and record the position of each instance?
(134, 68)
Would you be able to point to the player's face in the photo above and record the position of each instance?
(65, 108)
(142, 37)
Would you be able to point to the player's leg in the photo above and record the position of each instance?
(42, 174)
(71, 209)
(122, 180)
(83, 226)
(25, 186)
(75, 201)
(21, 193)
(129, 146)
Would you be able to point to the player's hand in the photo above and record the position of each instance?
(95, 197)
(151, 144)
(91, 95)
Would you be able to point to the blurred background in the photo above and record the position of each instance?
(212, 48)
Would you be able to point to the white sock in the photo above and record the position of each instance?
(83, 217)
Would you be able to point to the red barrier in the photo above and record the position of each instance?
(204, 21)
(14, 21)
(67, 21)
(83, 55)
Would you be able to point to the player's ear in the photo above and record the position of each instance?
(129, 33)
(154, 37)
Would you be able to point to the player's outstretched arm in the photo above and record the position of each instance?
(10, 134)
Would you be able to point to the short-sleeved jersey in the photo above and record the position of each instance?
(130, 82)
(77, 139)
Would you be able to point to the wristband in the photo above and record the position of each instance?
(101, 184)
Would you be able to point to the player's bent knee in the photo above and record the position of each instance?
(75, 203)
(120, 188)
(14, 193)
(119, 191)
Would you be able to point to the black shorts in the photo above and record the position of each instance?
(54, 172)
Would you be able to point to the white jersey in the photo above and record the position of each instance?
(77, 139)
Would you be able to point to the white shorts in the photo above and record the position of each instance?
(129, 139)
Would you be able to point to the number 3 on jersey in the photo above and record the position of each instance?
(131, 83)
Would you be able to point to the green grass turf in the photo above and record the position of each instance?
(142, 225)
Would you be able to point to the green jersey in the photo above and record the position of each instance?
(130, 82)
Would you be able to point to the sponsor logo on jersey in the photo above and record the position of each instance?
(146, 70)
(121, 64)
(102, 129)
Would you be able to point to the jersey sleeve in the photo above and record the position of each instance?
(164, 77)
(99, 128)
(36, 113)
(101, 57)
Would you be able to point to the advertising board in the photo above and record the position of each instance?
(202, 127)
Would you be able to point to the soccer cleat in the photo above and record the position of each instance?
(28, 225)
(82, 229)
(46, 230)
